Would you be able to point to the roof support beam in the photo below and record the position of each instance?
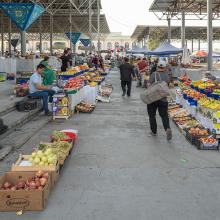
(183, 30)
(169, 29)
(209, 34)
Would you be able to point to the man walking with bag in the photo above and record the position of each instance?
(162, 104)
(126, 71)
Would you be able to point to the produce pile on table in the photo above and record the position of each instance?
(74, 83)
(197, 108)
(75, 70)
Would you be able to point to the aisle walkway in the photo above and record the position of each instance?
(118, 172)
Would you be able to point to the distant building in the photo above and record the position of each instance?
(110, 41)
(114, 40)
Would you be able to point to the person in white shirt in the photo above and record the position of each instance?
(36, 89)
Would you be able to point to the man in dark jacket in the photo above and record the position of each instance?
(126, 71)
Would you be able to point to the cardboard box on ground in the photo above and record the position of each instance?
(53, 170)
(26, 200)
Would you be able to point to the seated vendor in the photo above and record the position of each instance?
(49, 75)
(36, 89)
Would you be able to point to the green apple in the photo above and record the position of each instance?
(44, 159)
(34, 154)
(41, 163)
(48, 151)
(36, 160)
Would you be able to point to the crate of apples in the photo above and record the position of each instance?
(209, 143)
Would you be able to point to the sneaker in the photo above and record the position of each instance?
(49, 113)
(152, 134)
(169, 134)
(123, 94)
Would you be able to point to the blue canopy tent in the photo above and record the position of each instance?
(138, 50)
(164, 49)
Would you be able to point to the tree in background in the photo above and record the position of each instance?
(59, 45)
(153, 43)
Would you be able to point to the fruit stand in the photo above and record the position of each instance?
(32, 177)
(196, 112)
(82, 85)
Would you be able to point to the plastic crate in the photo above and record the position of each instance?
(202, 146)
(194, 139)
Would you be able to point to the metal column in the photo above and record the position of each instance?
(98, 25)
(183, 30)
(192, 45)
(169, 29)
(40, 45)
(2, 35)
(209, 34)
(9, 36)
(23, 43)
(51, 34)
(90, 24)
(199, 44)
(70, 20)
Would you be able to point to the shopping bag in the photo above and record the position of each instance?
(158, 90)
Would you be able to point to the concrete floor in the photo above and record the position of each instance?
(118, 172)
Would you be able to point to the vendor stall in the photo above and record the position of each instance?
(196, 111)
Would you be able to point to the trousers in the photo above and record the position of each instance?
(44, 95)
(162, 107)
(125, 84)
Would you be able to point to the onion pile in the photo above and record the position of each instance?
(37, 182)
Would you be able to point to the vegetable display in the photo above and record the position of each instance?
(43, 158)
(58, 135)
(60, 149)
(36, 182)
(85, 107)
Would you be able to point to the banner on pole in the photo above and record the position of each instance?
(85, 42)
(22, 14)
(73, 37)
(14, 42)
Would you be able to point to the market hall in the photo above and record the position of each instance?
(80, 138)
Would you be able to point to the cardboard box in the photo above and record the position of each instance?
(26, 200)
(53, 170)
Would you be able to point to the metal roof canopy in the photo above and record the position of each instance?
(61, 10)
(161, 32)
(194, 9)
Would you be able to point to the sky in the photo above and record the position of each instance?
(124, 15)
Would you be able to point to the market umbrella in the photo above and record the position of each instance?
(201, 53)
